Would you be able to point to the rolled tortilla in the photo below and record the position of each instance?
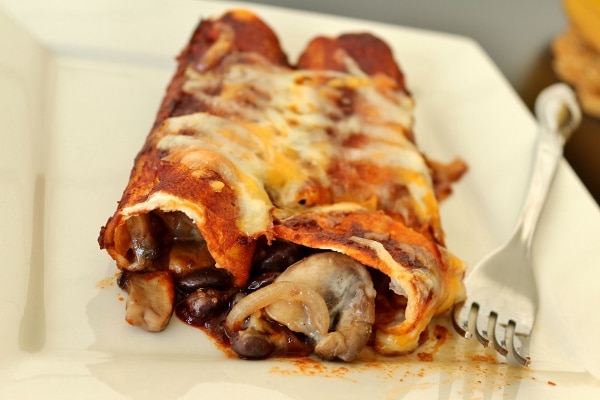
(247, 150)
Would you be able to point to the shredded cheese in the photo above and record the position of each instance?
(278, 131)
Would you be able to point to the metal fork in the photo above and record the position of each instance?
(502, 296)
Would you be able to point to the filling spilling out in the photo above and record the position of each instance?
(297, 301)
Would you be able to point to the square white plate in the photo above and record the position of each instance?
(80, 83)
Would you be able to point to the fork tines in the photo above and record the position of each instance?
(504, 346)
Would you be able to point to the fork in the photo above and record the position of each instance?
(502, 298)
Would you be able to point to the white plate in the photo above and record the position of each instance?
(80, 83)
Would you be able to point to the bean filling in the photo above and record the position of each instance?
(274, 315)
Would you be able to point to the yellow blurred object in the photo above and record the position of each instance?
(578, 63)
(585, 18)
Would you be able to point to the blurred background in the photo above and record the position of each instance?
(517, 35)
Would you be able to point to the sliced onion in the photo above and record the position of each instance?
(297, 316)
(295, 305)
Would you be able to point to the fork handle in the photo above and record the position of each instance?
(558, 114)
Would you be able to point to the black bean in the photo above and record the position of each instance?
(262, 280)
(251, 344)
(208, 277)
(123, 280)
(276, 257)
(206, 303)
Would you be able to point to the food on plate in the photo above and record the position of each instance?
(286, 208)
(577, 53)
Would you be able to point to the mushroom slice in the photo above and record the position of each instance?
(302, 301)
(150, 301)
(347, 289)
(321, 292)
(143, 245)
(253, 335)
(264, 338)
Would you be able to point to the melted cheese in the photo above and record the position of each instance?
(273, 134)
